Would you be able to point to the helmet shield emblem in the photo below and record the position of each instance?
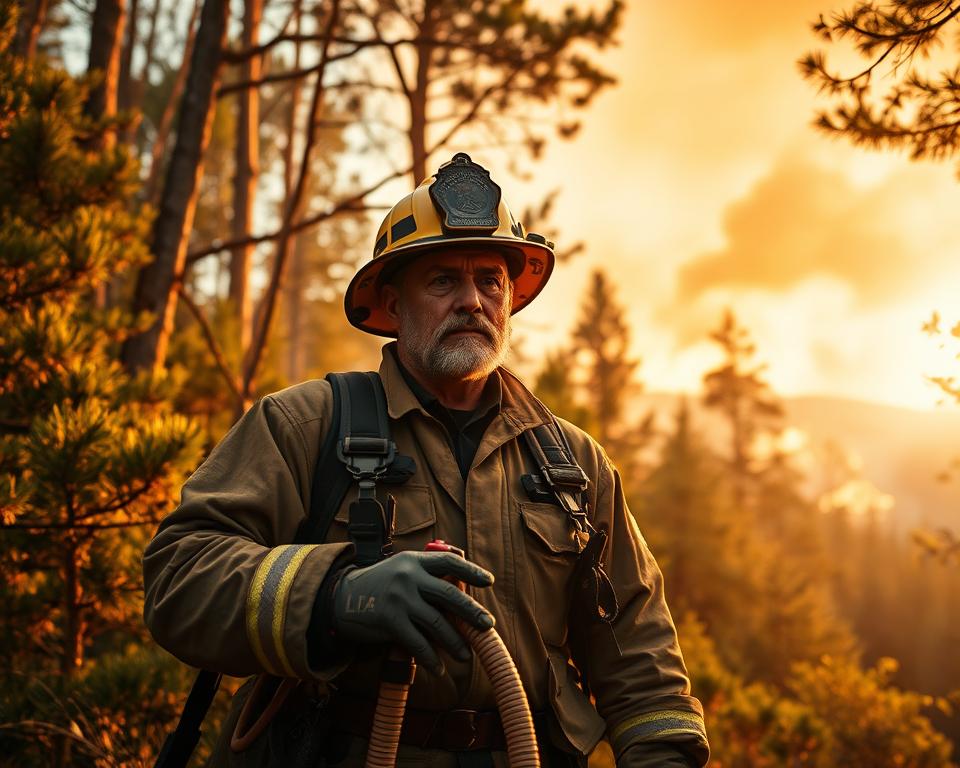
(466, 197)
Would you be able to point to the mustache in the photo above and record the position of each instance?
(467, 322)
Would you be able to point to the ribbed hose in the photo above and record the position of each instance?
(507, 689)
(515, 713)
(387, 722)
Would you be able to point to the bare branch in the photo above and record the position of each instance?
(212, 343)
(351, 204)
(292, 211)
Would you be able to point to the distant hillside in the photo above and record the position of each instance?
(900, 451)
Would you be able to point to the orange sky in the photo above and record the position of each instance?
(699, 183)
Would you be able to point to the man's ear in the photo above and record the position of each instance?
(390, 300)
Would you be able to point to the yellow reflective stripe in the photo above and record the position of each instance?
(657, 725)
(253, 606)
(280, 605)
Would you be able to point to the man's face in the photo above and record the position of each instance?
(453, 313)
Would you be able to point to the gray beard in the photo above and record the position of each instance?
(463, 357)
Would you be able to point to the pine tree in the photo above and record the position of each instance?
(555, 387)
(89, 457)
(600, 347)
(487, 69)
(737, 390)
(682, 510)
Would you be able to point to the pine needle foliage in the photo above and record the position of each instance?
(89, 457)
(891, 102)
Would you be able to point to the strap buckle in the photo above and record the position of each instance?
(457, 730)
(366, 458)
(568, 482)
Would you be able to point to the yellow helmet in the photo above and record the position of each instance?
(459, 206)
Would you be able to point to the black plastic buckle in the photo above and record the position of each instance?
(568, 481)
(366, 457)
(566, 476)
(369, 446)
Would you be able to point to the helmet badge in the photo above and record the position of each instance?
(466, 197)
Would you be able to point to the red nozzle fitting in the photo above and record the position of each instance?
(439, 545)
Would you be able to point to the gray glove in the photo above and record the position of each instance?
(400, 599)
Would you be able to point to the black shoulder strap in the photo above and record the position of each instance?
(181, 742)
(366, 450)
(562, 479)
(356, 449)
(560, 476)
(331, 481)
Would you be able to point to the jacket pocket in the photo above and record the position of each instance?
(579, 720)
(552, 548)
(416, 516)
(551, 526)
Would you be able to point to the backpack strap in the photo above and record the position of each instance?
(331, 481)
(561, 480)
(366, 450)
(359, 417)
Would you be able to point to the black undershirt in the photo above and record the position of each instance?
(464, 429)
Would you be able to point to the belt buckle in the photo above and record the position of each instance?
(457, 726)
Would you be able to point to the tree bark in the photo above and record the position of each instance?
(158, 149)
(125, 98)
(295, 286)
(71, 655)
(156, 290)
(106, 43)
(29, 27)
(292, 212)
(418, 96)
(245, 179)
(138, 86)
(294, 306)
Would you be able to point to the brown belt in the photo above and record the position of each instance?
(455, 730)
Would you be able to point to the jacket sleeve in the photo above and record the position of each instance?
(224, 588)
(635, 668)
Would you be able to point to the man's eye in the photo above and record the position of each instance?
(442, 280)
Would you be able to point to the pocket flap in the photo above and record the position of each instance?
(551, 526)
(579, 719)
(415, 509)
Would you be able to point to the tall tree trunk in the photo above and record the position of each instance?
(139, 85)
(71, 651)
(294, 306)
(156, 290)
(418, 95)
(245, 179)
(71, 656)
(106, 43)
(158, 149)
(293, 209)
(295, 286)
(125, 87)
(29, 26)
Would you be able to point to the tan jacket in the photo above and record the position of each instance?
(227, 591)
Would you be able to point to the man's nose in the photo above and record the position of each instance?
(468, 297)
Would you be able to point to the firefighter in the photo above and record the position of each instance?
(231, 586)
